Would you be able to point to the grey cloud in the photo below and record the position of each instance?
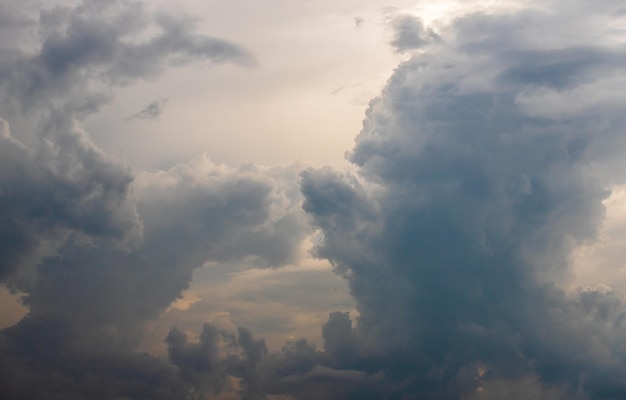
(36, 366)
(13, 21)
(199, 363)
(342, 344)
(410, 34)
(203, 214)
(97, 296)
(66, 185)
(99, 249)
(151, 111)
(277, 304)
(528, 388)
(254, 351)
(456, 234)
(252, 211)
(95, 43)
(324, 187)
(297, 371)
(205, 368)
(559, 68)
(63, 185)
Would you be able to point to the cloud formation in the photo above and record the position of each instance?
(410, 34)
(480, 167)
(81, 50)
(64, 186)
(476, 180)
(96, 247)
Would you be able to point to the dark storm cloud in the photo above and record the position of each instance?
(475, 183)
(410, 34)
(199, 363)
(151, 111)
(299, 370)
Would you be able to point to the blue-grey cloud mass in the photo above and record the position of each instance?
(475, 182)
(480, 167)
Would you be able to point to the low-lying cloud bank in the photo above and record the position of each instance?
(481, 166)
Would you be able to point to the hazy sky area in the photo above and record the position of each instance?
(315, 67)
(303, 200)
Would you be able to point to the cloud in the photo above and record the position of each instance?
(151, 111)
(81, 51)
(410, 34)
(473, 185)
(192, 214)
(97, 248)
(200, 363)
(278, 304)
(96, 296)
(471, 194)
(64, 186)
(594, 264)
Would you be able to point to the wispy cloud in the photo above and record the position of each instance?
(151, 111)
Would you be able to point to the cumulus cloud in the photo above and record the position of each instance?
(98, 248)
(279, 304)
(200, 363)
(66, 185)
(97, 296)
(471, 193)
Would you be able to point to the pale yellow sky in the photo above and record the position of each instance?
(305, 100)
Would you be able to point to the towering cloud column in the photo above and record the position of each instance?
(477, 176)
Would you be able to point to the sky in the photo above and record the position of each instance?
(294, 200)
